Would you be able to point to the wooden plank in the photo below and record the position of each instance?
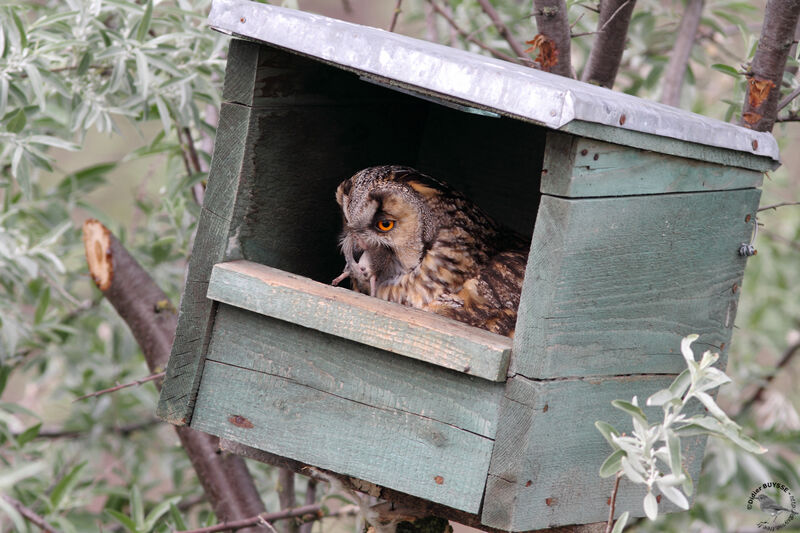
(613, 284)
(385, 325)
(580, 167)
(354, 371)
(241, 72)
(217, 223)
(666, 145)
(397, 449)
(545, 463)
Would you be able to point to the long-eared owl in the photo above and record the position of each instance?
(413, 240)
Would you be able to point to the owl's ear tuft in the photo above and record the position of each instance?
(423, 189)
(343, 190)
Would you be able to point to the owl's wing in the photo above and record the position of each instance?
(490, 299)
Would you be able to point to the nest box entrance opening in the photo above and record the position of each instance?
(313, 125)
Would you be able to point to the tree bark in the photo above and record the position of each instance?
(765, 75)
(552, 22)
(152, 320)
(679, 59)
(612, 26)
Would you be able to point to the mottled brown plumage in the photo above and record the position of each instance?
(411, 239)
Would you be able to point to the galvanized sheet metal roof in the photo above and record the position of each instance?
(484, 82)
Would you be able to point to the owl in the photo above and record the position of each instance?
(413, 240)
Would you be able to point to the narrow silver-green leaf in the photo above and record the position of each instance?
(607, 430)
(650, 506)
(612, 464)
(620, 523)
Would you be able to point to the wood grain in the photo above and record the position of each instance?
(670, 146)
(347, 314)
(408, 452)
(580, 167)
(613, 284)
(217, 222)
(544, 469)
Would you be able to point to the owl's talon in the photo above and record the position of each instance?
(373, 282)
(341, 277)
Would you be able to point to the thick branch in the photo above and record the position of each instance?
(606, 55)
(552, 22)
(766, 71)
(502, 28)
(311, 499)
(679, 59)
(141, 303)
(29, 514)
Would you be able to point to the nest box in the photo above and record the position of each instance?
(636, 212)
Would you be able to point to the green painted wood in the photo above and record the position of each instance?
(666, 145)
(579, 167)
(241, 72)
(385, 325)
(613, 284)
(400, 450)
(354, 371)
(217, 222)
(545, 463)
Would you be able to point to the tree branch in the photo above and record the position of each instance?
(613, 503)
(775, 206)
(679, 58)
(453, 24)
(142, 381)
(785, 359)
(139, 301)
(606, 55)
(552, 22)
(786, 100)
(502, 28)
(311, 499)
(286, 497)
(765, 75)
(308, 513)
(395, 15)
(29, 514)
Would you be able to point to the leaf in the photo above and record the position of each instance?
(620, 523)
(712, 406)
(37, 84)
(137, 507)
(612, 464)
(177, 519)
(674, 495)
(123, 519)
(631, 409)
(686, 347)
(5, 371)
(65, 486)
(681, 383)
(144, 24)
(674, 447)
(660, 398)
(607, 431)
(726, 69)
(28, 435)
(158, 511)
(56, 142)
(17, 122)
(10, 477)
(630, 470)
(86, 62)
(650, 506)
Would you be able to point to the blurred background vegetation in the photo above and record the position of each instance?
(102, 102)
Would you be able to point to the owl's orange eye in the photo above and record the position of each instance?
(385, 224)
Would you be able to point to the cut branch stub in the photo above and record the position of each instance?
(97, 243)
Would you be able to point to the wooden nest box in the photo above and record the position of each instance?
(636, 213)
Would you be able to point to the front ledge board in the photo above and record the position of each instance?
(483, 82)
(389, 326)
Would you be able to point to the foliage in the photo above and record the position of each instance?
(642, 456)
(99, 100)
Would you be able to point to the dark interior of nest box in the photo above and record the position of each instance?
(313, 125)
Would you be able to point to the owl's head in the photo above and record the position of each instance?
(389, 222)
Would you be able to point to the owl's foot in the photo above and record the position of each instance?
(341, 277)
(373, 282)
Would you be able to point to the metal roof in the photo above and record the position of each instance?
(484, 82)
